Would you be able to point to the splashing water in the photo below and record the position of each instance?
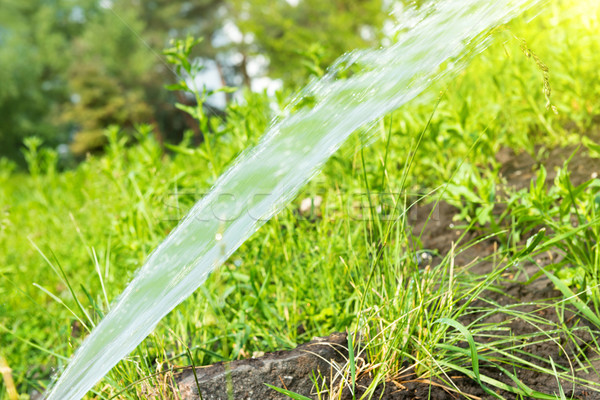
(266, 177)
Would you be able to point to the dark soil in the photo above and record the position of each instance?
(438, 236)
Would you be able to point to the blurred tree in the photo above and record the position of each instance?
(106, 78)
(119, 75)
(34, 55)
(70, 68)
(166, 20)
(303, 36)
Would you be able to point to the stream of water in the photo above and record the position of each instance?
(266, 177)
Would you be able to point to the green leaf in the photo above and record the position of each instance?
(352, 365)
(574, 299)
(473, 349)
(180, 149)
(532, 243)
(176, 86)
(191, 110)
(288, 393)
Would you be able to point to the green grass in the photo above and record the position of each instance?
(71, 240)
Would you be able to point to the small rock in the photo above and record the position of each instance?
(311, 206)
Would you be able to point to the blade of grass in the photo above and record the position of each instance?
(352, 362)
(58, 300)
(288, 393)
(473, 348)
(573, 298)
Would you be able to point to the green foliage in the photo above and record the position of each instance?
(75, 68)
(572, 214)
(187, 70)
(107, 83)
(39, 160)
(33, 55)
(312, 31)
(101, 100)
(473, 194)
(127, 199)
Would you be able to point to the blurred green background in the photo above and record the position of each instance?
(70, 68)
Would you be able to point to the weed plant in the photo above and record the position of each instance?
(571, 214)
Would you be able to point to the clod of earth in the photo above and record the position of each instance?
(245, 379)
